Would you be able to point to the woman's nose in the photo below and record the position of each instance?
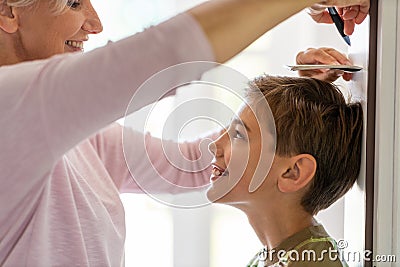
(93, 23)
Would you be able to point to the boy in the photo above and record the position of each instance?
(316, 161)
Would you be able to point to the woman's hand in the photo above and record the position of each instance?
(326, 56)
(352, 12)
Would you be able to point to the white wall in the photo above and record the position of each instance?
(387, 174)
(396, 159)
(355, 205)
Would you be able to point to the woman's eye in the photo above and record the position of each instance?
(73, 3)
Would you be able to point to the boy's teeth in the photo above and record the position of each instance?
(217, 172)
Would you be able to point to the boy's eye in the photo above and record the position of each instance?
(73, 3)
(237, 132)
(237, 135)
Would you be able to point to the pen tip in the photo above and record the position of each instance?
(347, 39)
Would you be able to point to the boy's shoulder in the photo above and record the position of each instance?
(312, 247)
(316, 252)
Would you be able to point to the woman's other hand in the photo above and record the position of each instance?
(326, 56)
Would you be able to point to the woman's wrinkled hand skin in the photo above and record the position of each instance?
(325, 56)
(352, 12)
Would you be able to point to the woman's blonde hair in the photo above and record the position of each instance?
(57, 6)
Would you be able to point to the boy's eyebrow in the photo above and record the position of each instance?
(238, 121)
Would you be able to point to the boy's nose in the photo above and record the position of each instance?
(215, 150)
(212, 148)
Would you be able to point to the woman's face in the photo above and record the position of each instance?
(242, 155)
(42, 34)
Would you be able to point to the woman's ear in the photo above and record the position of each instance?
(8, 22)
(300, 170)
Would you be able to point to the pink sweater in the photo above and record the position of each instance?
(59, 193)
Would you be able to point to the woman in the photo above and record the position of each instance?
(60, 188)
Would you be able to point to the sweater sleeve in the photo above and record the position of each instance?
(139, 162)
(91, 91)
(50, 106)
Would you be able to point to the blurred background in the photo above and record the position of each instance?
(159, 235)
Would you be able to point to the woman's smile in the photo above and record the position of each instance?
(74, 46)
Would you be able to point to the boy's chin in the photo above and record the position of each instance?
(218, 195)
(212, 197)
(222, 190)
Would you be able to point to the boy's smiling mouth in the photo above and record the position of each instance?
(217, 172)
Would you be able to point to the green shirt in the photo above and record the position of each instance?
(311, 247)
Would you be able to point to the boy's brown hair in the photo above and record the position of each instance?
(312, 117)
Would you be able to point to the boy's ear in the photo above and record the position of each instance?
(8, 22)
(299, 172)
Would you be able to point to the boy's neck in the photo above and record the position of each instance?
(272, 229)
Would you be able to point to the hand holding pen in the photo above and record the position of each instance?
(339, 23)
(351, 15)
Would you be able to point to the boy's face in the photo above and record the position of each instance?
(242, 156)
